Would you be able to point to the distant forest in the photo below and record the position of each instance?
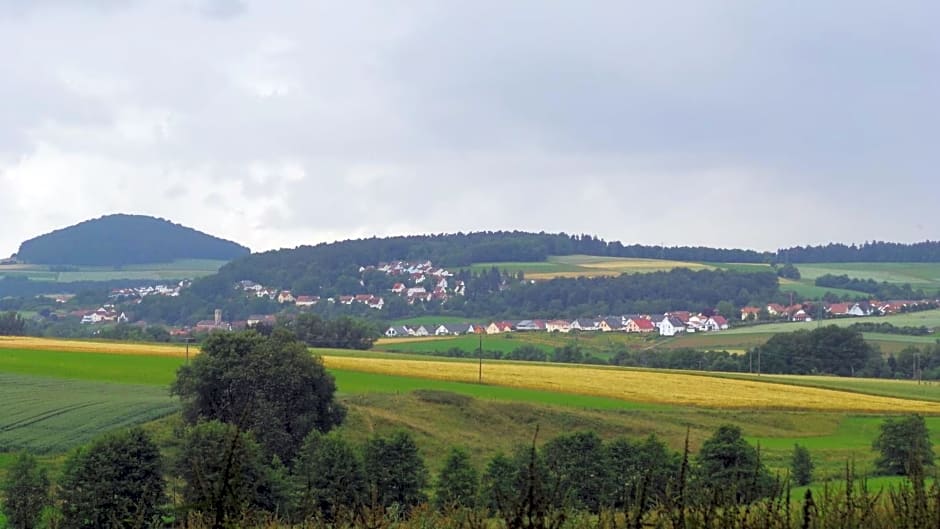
(869, 252)
(118, 240)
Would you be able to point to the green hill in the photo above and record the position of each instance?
(119, 240)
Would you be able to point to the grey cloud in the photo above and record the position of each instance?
(280, 123)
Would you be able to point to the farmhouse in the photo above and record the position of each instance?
(611, 324)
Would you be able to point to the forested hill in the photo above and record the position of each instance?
(324, 263)
(117, 240)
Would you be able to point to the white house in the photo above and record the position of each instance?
(670, 327)
(557, 326)
(398, 332)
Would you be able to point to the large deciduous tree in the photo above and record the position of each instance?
(904, 444)
(270, 385)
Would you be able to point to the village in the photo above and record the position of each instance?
(667, 324)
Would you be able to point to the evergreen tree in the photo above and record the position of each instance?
(457, 483)
(801, 466)
(730, 467)
(577, 463)
(328, 478)
(395, 472)
(26, 490)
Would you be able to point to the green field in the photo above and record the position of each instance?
(598, 344)
(918, 275)
(51, 415)
(927, 318)
(181, 269)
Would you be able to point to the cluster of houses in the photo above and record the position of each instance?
(104, 314)
(420, 282)
(416, 282)
(139, 293)
(286, 297)
(805, 312)
(669, 324)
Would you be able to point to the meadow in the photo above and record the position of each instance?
(180, 269)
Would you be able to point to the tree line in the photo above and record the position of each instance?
(882, 290)
(868, 252)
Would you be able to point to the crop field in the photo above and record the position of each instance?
(588, 266)
(906, 389)
(187, 268)
(661, 387)
(49, 415)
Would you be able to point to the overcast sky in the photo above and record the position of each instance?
(284, 122)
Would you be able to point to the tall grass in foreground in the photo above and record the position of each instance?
(846, 506)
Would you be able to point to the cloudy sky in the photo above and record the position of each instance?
(283, 122)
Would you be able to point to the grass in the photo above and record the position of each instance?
(51, 415)
(180, 269)
(105, 367)
(807, 289)
(918, 275)
(927, 318)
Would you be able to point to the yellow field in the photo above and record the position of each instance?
(79, 346)
(641, 386)
(589, 266)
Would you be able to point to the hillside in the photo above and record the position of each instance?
(118, 240)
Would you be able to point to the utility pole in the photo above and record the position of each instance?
(758, 361)
(187, 350)
(480, 376)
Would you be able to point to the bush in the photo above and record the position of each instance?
(801, 466)
(457, 483)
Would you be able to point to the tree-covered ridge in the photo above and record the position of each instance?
(116, 240)
(869, 252)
